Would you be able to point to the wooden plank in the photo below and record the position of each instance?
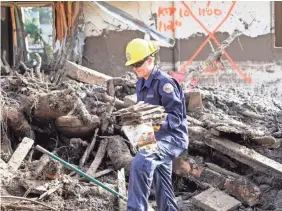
(20, 153)
(244, 155)
(122, 190)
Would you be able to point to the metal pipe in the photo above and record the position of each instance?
(41, 149)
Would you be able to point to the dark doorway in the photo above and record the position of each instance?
(6, 34)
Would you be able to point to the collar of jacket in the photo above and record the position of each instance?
(146, 83)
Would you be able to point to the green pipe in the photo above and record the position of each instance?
(41, 149)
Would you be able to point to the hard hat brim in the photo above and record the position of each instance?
(130, 62)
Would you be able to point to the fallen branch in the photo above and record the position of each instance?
(213, 57)
(110, 88)
(27, 199)
(26, 69)
(105, 118)
(98, 158)
(108, 99)
(103, 172)
(88, 150)
(21, 207)
(49, 192)
(82, 111)
(44, 159)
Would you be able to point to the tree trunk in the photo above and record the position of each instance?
(119, 153)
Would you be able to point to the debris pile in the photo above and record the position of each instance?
(235, 146)
(234, 152)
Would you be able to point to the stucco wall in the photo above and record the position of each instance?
(253, 52)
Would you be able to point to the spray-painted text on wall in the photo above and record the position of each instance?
(175, 16)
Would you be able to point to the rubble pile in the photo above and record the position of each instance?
(235, 144)
(71, 119)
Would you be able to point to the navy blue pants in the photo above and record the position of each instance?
(153, 168)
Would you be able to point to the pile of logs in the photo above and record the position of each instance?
(235, 142)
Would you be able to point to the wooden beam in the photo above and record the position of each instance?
(236, 151)
(14, 27)
(244, 154)
(86, 75)
(63, 16)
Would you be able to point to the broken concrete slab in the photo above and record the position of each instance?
(215, 200)
(85, 74)
(20, 153)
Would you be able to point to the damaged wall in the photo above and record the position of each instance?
(254, 52)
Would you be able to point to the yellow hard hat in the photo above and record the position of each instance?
(138, 49)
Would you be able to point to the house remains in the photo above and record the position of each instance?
(64, 88)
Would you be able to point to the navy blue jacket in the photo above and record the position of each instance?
(161, 89)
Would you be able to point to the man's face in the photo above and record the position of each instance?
(142, 68)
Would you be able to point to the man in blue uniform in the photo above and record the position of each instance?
(155, 167)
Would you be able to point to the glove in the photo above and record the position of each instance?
(156, 127)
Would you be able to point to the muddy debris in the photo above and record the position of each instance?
(235, 144)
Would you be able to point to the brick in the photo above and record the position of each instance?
(215, 200)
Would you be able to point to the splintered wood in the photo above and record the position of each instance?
(141, 113)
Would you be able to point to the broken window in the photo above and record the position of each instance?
(38, 27)
(278, 23)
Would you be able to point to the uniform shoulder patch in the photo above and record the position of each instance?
(168, 88)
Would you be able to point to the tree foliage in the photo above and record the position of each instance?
(33, 29)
